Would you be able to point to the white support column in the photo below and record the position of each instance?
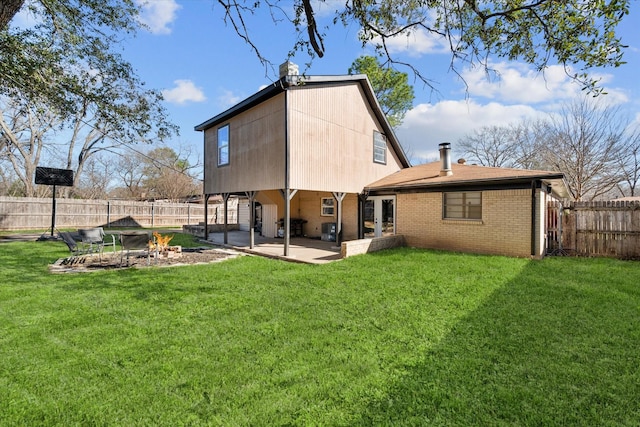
(252, 216)
(225, 197)
(206, 216)
(287, 195)
(339, 198)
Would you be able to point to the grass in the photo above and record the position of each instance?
(401, 337)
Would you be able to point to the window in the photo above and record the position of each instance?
(379, 148)
(327, 206)
(223, 145)
(462, 205)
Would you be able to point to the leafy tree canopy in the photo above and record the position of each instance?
(575, 33)
(392, 87)
(67, 62)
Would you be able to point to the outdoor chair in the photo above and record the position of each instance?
(93, 240)
(70, 239)
(135, 241)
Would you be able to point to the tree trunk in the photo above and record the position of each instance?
(8, 9)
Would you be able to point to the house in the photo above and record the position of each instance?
(302, 149)
(315, 156)
(472, 208)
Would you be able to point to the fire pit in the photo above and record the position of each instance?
(185, 256)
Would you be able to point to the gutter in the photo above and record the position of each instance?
(533, 217)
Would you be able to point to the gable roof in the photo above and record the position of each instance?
(303, 82)
(427, 177)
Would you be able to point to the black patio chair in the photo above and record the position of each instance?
(94, 240)
(136, 241)
(70, 239)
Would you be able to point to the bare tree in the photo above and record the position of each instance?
(161, 173)
(494, 146)
(513, 146)
(23, 136)
(96, 179)
(166, 175)
(29, 129)
(585, 142)
(628, 162)
(129, 170)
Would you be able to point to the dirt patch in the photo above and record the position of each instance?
(110, 261)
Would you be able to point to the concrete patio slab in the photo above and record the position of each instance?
(304, 250)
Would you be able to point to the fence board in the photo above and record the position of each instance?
(27, 213)
(598, 228)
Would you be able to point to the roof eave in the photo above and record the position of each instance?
(557, 178)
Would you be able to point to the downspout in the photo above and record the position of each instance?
(287, 201)
(533, 217)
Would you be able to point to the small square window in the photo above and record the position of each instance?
(462, 205)
(223, 145)
(379, 148)
(327, 206)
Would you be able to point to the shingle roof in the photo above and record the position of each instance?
(428, 176)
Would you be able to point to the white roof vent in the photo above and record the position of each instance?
(288, 68)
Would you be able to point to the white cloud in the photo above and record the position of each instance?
(519, 83)
(416, 43)
(185, 91)
(518, 93)
(427, 125)
(326, 8)
(158, 15)
(228, 99)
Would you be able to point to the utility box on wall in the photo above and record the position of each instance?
(328, 232)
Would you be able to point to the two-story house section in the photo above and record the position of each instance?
(304, 148)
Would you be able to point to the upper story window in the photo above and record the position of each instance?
(462, 205)
(379, 148)
(223, 145)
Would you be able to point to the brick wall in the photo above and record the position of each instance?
(363, 246)
(309, 209)
(505, 228)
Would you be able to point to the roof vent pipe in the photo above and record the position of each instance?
(445, 158)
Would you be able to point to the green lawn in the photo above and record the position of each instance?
(401, 337)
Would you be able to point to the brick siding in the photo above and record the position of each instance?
(505, 228)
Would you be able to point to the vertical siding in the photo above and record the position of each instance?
(256, 151)
(331, 140)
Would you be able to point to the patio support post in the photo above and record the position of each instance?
(225, 197)
(252, 216)
(339, 198)
(362, 198)
(206, 216)
(53, 211)
(287, 194)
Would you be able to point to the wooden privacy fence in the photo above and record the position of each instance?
(27, 213)
(594, 229)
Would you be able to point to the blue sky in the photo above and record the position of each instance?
(202, 67)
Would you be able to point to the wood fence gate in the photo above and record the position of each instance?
(594, 229)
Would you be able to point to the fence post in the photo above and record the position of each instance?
(152, 215)
(108, 214)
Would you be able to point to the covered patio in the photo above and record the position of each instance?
(301, 249)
